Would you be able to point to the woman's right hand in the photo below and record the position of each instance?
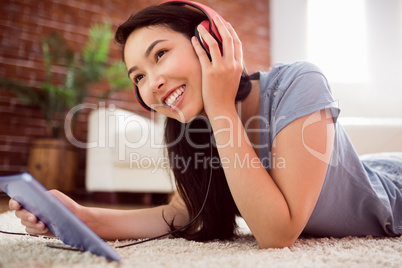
(32, 224)
(220, 75)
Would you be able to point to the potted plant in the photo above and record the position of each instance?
(53, 160)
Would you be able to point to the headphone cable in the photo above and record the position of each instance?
(185, 226)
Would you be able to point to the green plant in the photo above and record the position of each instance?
(69, 74)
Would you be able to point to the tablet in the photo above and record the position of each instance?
(60, 220)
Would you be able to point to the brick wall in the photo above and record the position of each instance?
(24, 22)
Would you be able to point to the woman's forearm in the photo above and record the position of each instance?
(132, 224)
(125, 224)
(250, 184)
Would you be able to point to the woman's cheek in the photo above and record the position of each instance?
(146, 96)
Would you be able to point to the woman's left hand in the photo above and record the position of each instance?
(221, 75)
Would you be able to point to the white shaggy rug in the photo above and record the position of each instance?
(24, 251)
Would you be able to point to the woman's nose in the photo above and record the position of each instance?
(157, 82)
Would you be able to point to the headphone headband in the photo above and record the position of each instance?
(209, 12)
(208, 24)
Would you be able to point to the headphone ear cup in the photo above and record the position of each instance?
(216, 35)
(139, 99)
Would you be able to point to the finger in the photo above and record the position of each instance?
(63, 198)
(26, 215)
(14, 205)
(201, 53)
(29, 223)
(238, 49)
(38, 227)
(36, 230)
(33, 225)
(214, 49)
(227, 39)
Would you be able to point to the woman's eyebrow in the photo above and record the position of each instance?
(147, 53)
(152, 45)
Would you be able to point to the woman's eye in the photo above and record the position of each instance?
(160, 54)
(138, 78)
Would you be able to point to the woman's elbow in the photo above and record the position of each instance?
(278, 242)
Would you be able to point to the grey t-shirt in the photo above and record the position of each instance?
(358, 197)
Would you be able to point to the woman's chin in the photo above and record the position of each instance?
(188, 115)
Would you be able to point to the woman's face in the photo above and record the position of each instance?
(166, 69)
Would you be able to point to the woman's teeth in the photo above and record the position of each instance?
(175, 96)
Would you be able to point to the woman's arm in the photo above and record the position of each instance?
(276, 206)
(135, 224)
(111, 223)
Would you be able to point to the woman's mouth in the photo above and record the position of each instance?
(175, 96)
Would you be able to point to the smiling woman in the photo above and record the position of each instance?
(266, 147)
(163, 66)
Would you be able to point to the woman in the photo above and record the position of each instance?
(284, 163)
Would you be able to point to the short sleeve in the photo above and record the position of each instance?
(302, 90)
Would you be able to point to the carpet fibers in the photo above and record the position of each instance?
(25, 251)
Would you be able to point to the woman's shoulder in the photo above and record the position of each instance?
(296, 68)
(282, 75)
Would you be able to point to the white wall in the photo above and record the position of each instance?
(381, 94)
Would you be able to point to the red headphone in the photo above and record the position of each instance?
(208, 24)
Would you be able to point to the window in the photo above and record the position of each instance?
(357, 44)
(337, 40)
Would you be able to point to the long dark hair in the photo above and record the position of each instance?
(217, 220)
